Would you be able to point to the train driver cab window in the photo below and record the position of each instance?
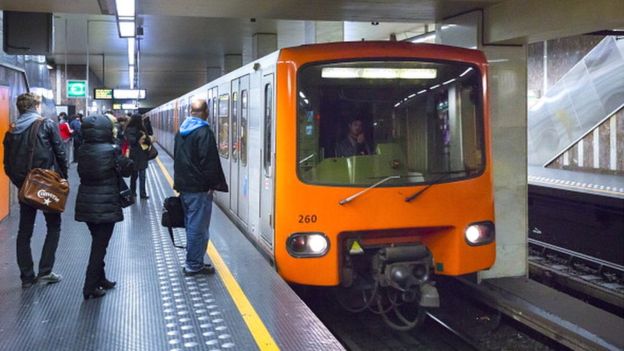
(400, 122)
(224, 128)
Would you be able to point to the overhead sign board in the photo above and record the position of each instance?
(129, 106)
(116, 106)
(134, 94)
(76, 88)
(103, 94)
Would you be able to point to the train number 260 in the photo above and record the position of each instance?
(307, 218)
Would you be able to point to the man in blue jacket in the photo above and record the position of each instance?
(197, 173)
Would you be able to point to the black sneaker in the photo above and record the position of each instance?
(207, 269)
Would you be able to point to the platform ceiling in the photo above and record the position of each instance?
(183, 38)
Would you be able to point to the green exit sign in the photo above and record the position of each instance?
(76, 88)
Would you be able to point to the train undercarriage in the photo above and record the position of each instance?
(391, 281)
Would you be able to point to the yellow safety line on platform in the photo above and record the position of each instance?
(257, 328)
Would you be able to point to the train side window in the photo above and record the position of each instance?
(268, 106)
(209, 112)
(224, 128)
(234, 126)
(243, 128)
(214, 116)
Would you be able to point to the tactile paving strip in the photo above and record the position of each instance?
(291, 323)
(578, 185)
(194, 316)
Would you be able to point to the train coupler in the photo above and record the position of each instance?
(406, 268)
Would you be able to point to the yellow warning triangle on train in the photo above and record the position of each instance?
(356, 248)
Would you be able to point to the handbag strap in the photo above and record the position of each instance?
(32, 140)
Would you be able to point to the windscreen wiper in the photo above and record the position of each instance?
(352, 197)
(436, 181)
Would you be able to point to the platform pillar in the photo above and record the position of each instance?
(323, 32)
(263, 44)
(507, 79)
(213, 73)
(232, 62)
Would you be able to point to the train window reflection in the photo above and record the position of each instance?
(243, 128)
(234, 128)
(268, 113)
(224, 128)
(358, 130)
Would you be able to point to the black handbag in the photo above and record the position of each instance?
(152, 152)
(125, 195)
(173, 216)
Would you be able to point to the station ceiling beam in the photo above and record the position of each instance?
(528, 21)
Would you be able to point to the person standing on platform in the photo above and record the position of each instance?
(74, 124)
(197, 173)
(47, 152)
(100, 165)
(138, 143)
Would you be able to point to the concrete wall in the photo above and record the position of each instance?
(508, 116)
(75, 72)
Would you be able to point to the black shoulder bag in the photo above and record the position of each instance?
(125, 195)
(173, 216)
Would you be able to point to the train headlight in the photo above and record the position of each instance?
(307, 245)
(480, 233)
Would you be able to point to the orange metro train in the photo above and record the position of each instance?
(365, 165)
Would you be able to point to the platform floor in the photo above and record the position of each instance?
(591, 183)
(246, 306)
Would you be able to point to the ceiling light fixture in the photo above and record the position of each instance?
(126, 18)
(131, 51)
(378, 73)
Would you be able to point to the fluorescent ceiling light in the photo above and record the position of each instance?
(378, 73)
(131, 49)
(126, 29)
(129, 94)
(125, 7)
(131, 76)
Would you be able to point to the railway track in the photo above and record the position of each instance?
(460, 324)
(595, 278)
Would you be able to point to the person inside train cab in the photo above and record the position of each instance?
(197, 173)
(355, 143)
(48, 152)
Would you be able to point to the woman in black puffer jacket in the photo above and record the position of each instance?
(97, 203)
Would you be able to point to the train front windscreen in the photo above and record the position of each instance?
(400, 122)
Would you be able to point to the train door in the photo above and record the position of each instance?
(267, 169)
(243, 170)
(4, 127)
(234, 147)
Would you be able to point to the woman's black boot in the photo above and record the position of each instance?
(95, 293)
